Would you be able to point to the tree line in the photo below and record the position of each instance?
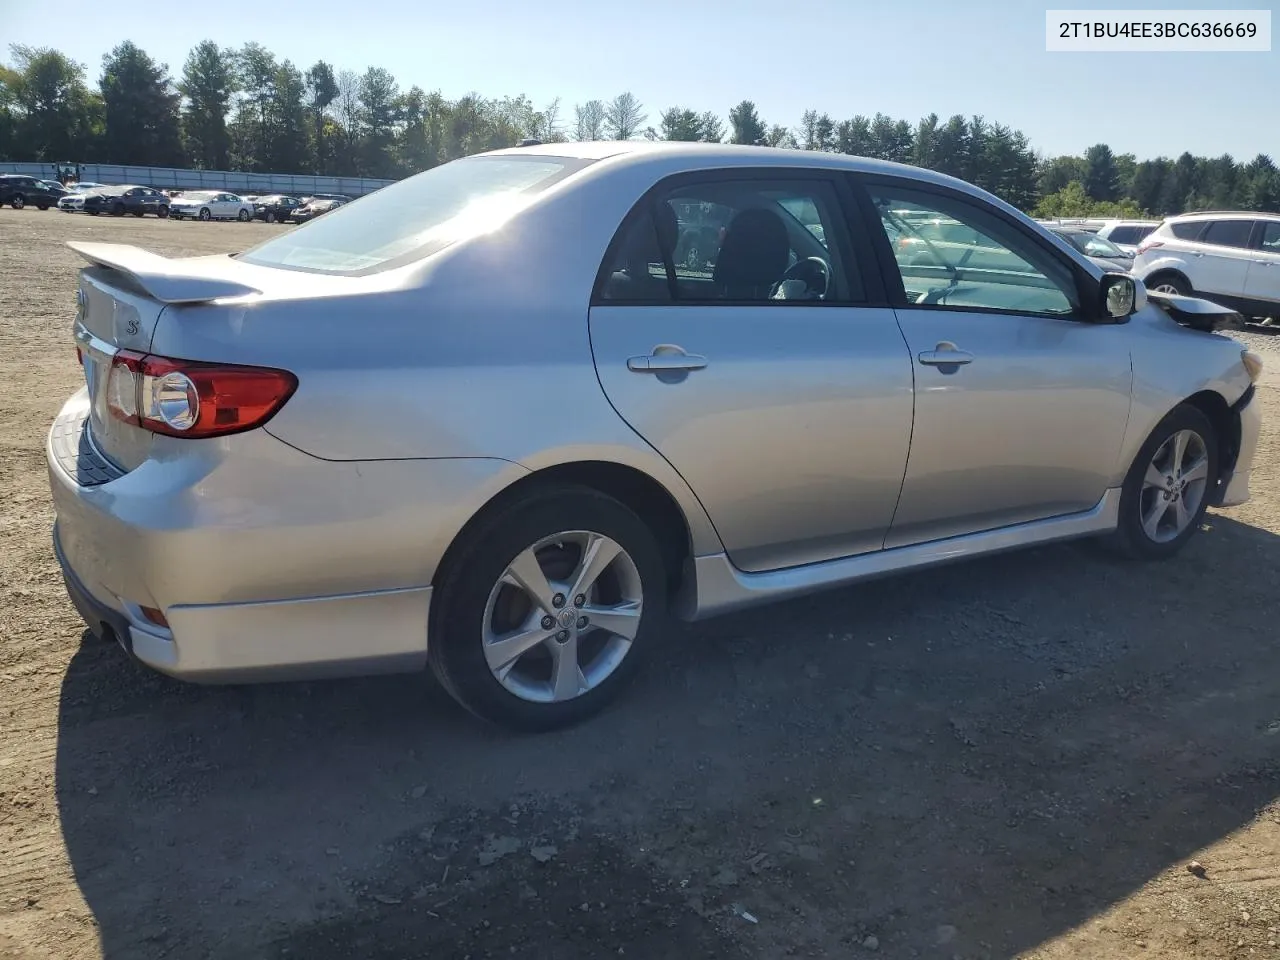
(246, 109)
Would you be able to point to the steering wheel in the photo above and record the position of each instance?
(813, 271)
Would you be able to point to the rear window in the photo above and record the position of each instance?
(1128, 234)
(415, 217)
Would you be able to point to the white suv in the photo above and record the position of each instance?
(1231, 258)
(1127, 234)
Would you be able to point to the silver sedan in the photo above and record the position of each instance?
(487, 420)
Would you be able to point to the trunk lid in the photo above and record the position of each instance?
(121, 297)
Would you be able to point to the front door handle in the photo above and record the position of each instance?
(667, 358)
(945, 354)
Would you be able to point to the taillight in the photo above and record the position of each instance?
(183, 398)
(1146, 245)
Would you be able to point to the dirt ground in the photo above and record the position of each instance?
(1013, 758)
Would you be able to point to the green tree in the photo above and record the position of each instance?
(681, 123)
(1057, 172)
(322, 90)
(379, 100)
(924, 143)
(288, 150)
(1102, 175)
(817, 131)
(207, 85)
(55, 117)
(745, 125)
(252, 135)
(140, 109)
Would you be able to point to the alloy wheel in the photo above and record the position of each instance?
(562, 617)
(1174, 486)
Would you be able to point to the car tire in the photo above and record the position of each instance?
(42, 206)
(94, 213)
(1169, 283)
(163, 213)
(205, 214)
(243, 216)
(1140, 497)
(271, 217)
(117, 210)
(476, 592)
(139, 213)
(18, 201)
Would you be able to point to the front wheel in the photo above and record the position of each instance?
(43, 206)
(546, 612)
(271, 217)
(205, 214)
(163, 213)
(243, 216)
(1168, 488)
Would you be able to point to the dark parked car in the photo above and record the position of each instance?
(275, 207)
(315, 207)
(118, 201)
(19, 191)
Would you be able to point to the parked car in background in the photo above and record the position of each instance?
(1229, 257)
(57, 189)
(19, 191)
(118, 201)
(210, 205)
(275, 207)
(1101, 251)
(73, 200)
(1127, 234)
(257, 482)
(315, 208)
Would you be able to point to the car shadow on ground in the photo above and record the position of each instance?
(961, 762)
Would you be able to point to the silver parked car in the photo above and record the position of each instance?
(482, 420)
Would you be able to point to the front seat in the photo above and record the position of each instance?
(753, 256)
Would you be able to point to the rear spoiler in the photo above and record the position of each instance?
(193, 280)
(1197, 314)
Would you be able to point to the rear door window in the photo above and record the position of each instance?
(736, 241)
(1228, 233)
(1187, 229)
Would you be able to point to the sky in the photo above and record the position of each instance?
(842, 57)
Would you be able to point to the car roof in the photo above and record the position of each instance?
(664, 152)
(1225, 215)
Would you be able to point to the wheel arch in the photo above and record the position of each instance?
(1226, 427)
(1168, 270)
(677, 534)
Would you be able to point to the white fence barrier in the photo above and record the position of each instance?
(171, 178)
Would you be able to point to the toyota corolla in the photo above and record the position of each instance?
(485, 421)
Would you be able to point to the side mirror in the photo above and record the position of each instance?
(1118, 296)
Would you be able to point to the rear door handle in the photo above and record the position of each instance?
(666, 359)
(945, 354)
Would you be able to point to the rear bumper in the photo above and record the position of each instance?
(1235, 490)
(267, 563)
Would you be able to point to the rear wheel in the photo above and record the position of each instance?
(1168, 487)
(117, 210)
(18, 201)
(243, 216)
(547, 610)
(139, 213)
(1169, 283)
(43, 206)
(163, 213)
(271, 217)
(205, 214)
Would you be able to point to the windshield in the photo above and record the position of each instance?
(1091, 245)
(415, 217)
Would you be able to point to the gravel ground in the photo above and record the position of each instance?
(1014, 758)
